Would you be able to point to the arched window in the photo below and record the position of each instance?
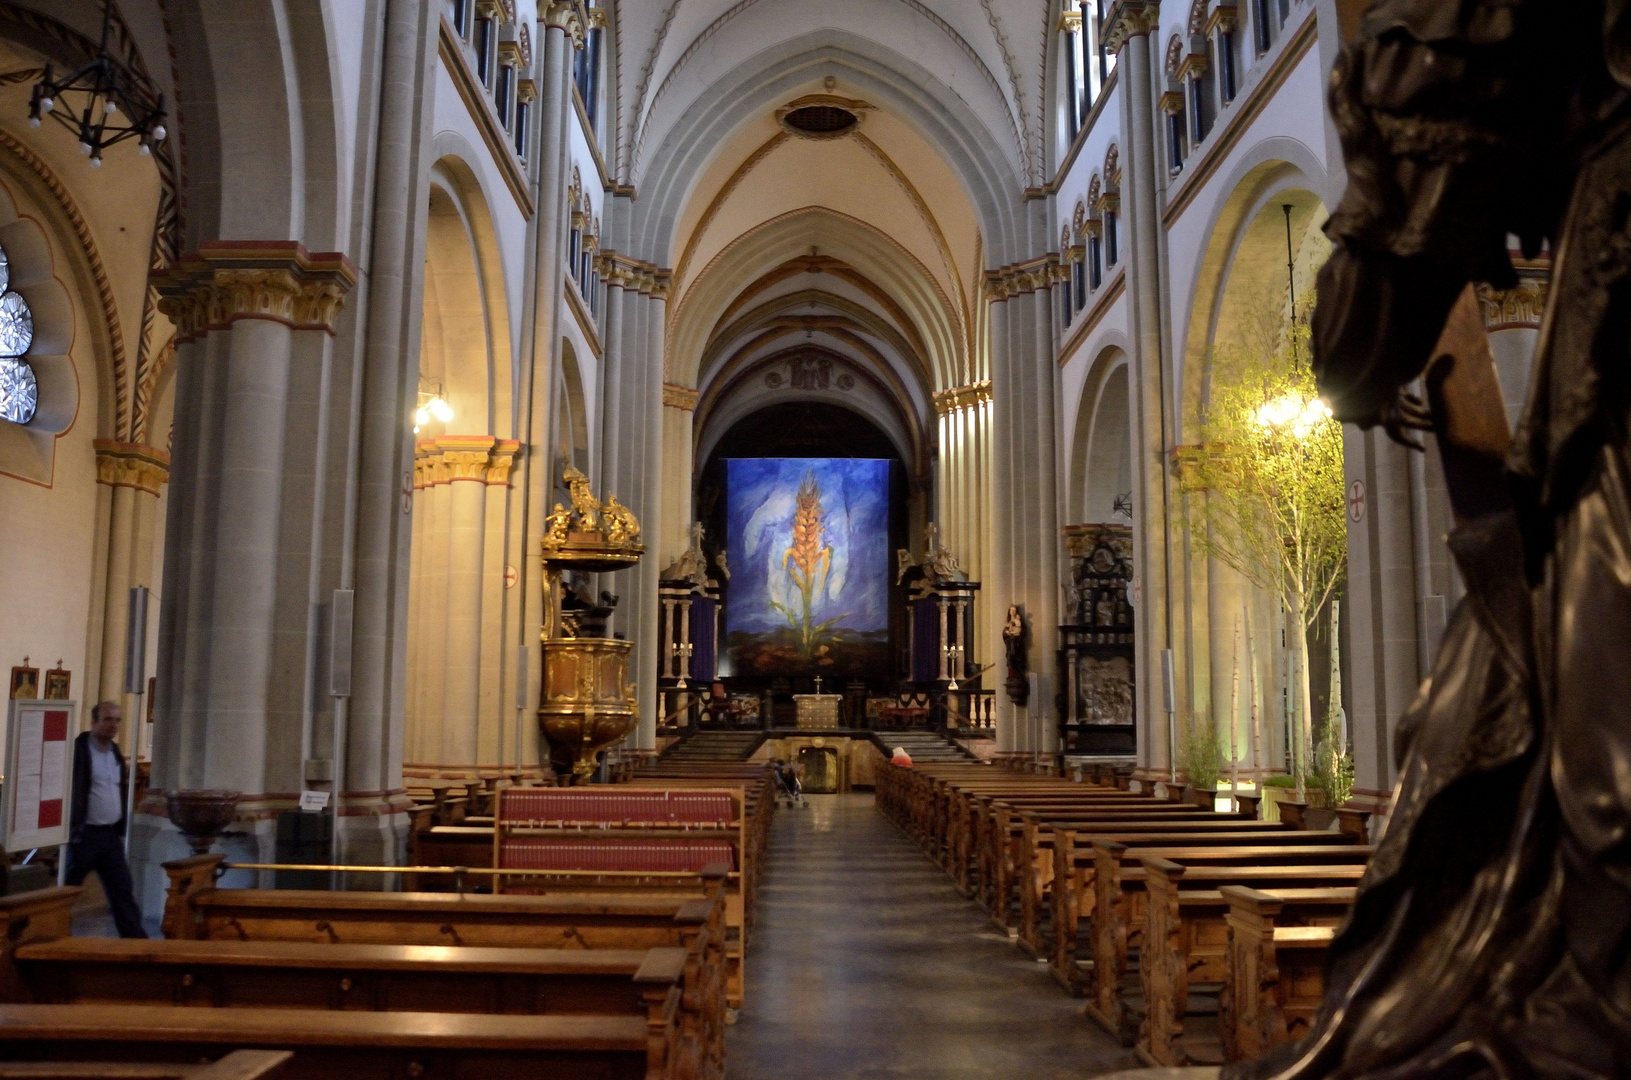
(574, 204)
(1196, 72)
(1095, 239)
(1268, 16)
(586, 67)
(1109, 206)
(1066, 313)
(1087, 62)
(19, 391)
(1174, 104)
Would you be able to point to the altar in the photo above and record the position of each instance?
(817, 712)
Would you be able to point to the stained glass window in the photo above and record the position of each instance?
(19, 392)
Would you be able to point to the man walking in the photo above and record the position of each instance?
(96, 820)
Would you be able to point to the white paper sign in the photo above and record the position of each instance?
(313, 802)
(40, 734)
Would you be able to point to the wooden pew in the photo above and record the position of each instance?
(339, 1045)
(621, 829)
(238, 1065)
(1274, 973)
(693, 919)
(1122, 901)
(42, 915)
(1186, 933)
(1073, 897)
(1001, 894)
(387, 978)
(995, 825)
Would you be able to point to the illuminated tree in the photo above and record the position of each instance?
(1272, 506)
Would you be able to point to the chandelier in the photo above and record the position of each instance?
(102, 103)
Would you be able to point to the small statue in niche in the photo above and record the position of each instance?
(1016, 644)
(903, 564)
(724, 567)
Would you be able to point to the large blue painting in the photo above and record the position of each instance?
(808, 544)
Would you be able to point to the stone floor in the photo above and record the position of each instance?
(865, 963)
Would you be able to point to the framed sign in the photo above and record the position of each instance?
(39, 773)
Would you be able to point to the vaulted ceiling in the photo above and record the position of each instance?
(987, 53)
(844, 268)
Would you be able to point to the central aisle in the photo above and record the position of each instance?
(866, 963)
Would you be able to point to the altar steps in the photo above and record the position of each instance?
(925, 747)
(716, 746)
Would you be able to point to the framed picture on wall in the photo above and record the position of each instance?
(25, 682)
(57, 682)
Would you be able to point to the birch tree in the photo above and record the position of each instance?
(1269, 471)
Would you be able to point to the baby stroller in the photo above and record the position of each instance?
(787, 785)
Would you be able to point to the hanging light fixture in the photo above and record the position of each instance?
(102, 103)
(432, 406)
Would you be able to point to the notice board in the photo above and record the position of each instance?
(39, 773)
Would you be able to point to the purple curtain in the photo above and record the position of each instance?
(702, 638)
(925, 640)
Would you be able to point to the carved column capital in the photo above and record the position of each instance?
(427, 465)
(1522, 306)
(1129, 19)
(1020, 278)
(635, 275)
(502, 461)
(224, 281)
(572, 16)
(133, 465)
(465, 457)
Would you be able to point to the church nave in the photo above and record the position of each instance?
(866, 963)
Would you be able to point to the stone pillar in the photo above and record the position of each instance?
(1027, 546)
(228, 713)
(679, 468)
(1131, 24)
(561, 31)
(965, 520)
(632, 456)
(465, 459)
(1381, 608)
(376, 553)
(134, 473)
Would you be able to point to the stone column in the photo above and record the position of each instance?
(1027, 547)
(560, 31)
(229, 714)
(679, 466)
(495, 712)
(134, 473)
(376, 537)
(1131, 23)
(465, 459)
(965, 520)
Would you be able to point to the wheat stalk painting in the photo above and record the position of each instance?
(811, 564)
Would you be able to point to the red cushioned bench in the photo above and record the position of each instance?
(556, 838)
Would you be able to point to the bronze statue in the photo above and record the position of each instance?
(1492, 934)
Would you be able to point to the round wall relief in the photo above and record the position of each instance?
(774, 379)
